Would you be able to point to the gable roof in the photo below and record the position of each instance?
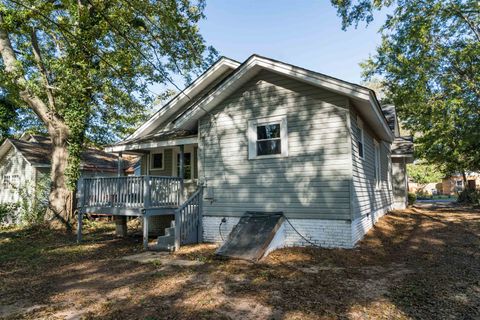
(219, 69)
(37, 151)
(226, 76)
(390, 115)
(364, 98)
(402, 147)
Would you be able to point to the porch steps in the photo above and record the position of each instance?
(167, 241)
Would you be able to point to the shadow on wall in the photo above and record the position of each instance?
(367, 198)
(312, 181)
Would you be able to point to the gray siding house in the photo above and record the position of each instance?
(25, 170)
(266, 136)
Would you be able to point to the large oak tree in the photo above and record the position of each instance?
(84, 67)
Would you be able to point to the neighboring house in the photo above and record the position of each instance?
(25, 164)
(454, 184)
(401, 154)
(427, 189)
(266, 136)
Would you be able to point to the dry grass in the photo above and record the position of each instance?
(415, 264)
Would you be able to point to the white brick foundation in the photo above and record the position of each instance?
(211, 228)
(361, 225)
(325, 233)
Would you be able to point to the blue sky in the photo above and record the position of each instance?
(306, 33)
(303, 33)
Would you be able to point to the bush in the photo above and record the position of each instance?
(8, 213)
(412, 197)
(469, 196)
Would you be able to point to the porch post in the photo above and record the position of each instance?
(145, 231)
(182, 161)
(177, 230)
(120, 226)
(182, 172)
(79, 225)
(119, 164)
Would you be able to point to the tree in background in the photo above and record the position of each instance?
(8, 117)
(424, 173)
(84, 68)
(429, 60)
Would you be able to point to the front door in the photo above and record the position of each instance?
(190, 163)
(187, 161)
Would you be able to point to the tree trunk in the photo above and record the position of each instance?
(59, 213)
(464, 176)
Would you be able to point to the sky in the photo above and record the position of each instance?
(306, 33)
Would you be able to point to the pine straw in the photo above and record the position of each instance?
(415, 264)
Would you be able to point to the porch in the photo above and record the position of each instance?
(144, 197)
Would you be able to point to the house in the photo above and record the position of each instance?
(263, 136)
(426, 189)
(454, 184)
(25, 167)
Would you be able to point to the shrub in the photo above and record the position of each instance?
(469, 196)
(412, 197)
(34, 202)
(8, 213)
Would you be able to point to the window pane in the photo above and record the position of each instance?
(360, 149)
(157, 160)
(269, 131)
(268, 147)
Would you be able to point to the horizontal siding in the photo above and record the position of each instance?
(366, 198)
(167, 163)
(312, 182)
(14, 164)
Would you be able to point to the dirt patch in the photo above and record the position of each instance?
(162, 258)
(420, 263)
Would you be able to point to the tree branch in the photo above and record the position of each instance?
(41, 66)
(11, 67)
(470, 23)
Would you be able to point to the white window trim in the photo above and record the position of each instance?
(252, 136)
(151, 160)
(6, 181)
(378, 164)
(361, 138)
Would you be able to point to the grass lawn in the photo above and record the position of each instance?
(420, 263)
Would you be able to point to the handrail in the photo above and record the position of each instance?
(188, 218)
(132, 191)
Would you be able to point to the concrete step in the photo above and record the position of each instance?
(170, 231)
(167, 242)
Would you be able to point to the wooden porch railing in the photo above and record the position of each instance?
(132, 192)
(188, 224)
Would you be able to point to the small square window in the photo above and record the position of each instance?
(6, 182)
(267, 138)
(157, 161)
